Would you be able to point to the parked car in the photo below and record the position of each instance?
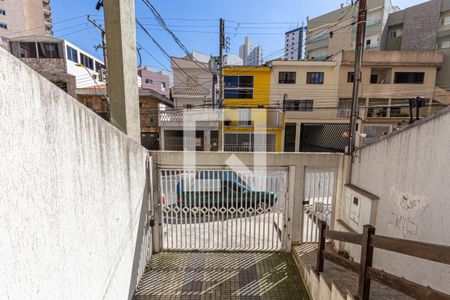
(221, 189)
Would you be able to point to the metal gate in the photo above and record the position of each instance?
(320, 187)
(323, 137)
(223, 209)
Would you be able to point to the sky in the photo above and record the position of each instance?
(196, 23)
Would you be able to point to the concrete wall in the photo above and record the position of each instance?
(420, 26)
(409, 172)
(74, 192)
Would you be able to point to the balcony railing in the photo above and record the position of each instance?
(250, 148)
(191, 91)
(345, 112)
(192, 115)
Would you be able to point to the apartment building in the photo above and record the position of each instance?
(250, 122)
(232, 60)
(60, 61)
(25, 17)
(193, 125)
(156, 81)
(423, 27)
(294, 42)
(308, 93)
(332, 32)
(316, 96)
(250, 55)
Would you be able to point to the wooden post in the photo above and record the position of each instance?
(365, 263)
(321, 246)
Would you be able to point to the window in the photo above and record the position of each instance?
(72, 54)
(148, 81)
(395, 33)
(445, 21)
(2, 12)
(187, 106)
(48, 50)
(443, 45)
(163, 86)
(24, 50)
(61, 84)
(99, 66)
(409, 77)
(350, 77)
(373, 78)
(238, 87)
(298, 105)
(286, 77)
(87, 61)
(368, 41)
(3, 26)
(314, 77)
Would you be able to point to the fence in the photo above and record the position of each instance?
(368, 241)
(250, 148)
(318, 201)
(223, 209)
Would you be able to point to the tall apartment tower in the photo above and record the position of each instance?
(246, 48)
(251, 56)
(294, 42)
(25, 17)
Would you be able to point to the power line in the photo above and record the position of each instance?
(39, 27)
(163, 24)
(163, 50)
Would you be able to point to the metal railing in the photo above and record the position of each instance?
(191, 91)
(223, 209)
(318, 201)
(191, 115)
(250, 148)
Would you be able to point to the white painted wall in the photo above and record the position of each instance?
(85, 78)
(72, 192)
(409, 171)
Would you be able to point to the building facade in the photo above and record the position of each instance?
(316, 96)
(308, 93)
(232, 60)
(47, 56)
(423, 27)
(156, 81)
(334, 31)
(250, 122)
(193, 125)
(294, 44)
(193, 83)
(25, 17)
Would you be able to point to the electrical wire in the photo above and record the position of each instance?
(163, 24)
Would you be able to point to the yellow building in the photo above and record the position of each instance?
(251, 123)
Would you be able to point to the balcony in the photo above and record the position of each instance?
(191, 92)
(190, 115)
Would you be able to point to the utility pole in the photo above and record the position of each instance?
(120, 28)
(103, 45)
(103, 73)
(221, 47)
(359, 51)
(221, 91)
